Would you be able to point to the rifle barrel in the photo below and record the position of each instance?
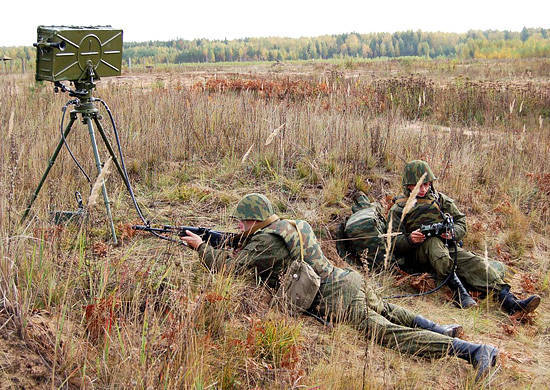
(213, 237)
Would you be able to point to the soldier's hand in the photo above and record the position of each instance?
(193, 240)
(417, 237)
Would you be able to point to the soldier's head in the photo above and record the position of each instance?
(412, 173)
(251, 209)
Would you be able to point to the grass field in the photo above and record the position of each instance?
(78, 312)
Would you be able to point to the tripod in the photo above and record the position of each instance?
(84, 106)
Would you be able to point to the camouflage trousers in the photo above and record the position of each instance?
(346, 298)
(472, 269)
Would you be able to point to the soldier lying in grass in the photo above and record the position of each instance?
(272, 245)
(436, 252)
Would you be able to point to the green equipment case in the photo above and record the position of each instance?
(65, 52)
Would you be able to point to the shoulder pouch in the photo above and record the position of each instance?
(299, 285)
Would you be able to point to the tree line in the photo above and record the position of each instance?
(533, 42)
(529, 42)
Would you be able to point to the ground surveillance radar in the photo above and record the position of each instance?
(78, 53)
(81, 55)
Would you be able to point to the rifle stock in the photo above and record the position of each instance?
(214, 238)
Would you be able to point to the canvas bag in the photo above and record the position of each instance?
(362, 231)
(300, 283)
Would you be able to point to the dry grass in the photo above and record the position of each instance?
(147, 314)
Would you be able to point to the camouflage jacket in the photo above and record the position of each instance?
(270, 250)
(425, 211)
(266, 254)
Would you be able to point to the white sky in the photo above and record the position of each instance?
(165, 20)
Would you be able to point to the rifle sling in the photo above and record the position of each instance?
(261, 225)
(293, 223)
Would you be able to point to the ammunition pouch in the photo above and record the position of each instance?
(298, 287)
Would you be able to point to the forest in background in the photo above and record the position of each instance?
(475, 44)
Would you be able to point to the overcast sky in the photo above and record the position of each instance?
(165, 20)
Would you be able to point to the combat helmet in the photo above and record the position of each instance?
(414, 170)
(254, 207)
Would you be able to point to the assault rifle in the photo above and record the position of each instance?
(435, 230)
(212, 237)
(438, 228)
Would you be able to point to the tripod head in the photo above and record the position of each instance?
(82, 92)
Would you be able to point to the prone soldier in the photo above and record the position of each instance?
(273, 244)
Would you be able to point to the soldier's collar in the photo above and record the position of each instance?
(428, 198)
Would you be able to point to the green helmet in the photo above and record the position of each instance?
(254, 207)
(414, 171)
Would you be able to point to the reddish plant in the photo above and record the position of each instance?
(100, 317)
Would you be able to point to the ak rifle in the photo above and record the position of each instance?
(212, 237)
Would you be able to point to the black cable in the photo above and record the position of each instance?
(64, 110)
(122, 163)
(126, 179)
(453, 270)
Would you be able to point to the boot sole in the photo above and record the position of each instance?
(532, 305)
(461, 306)
(457, 331)
(494, 359)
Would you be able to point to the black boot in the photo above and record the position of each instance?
(453, 330)
(460, 295)
(481, 356)
(510, 304)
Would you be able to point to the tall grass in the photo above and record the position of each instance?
(147, 314)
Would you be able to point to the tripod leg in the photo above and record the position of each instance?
(110, 149)
(103, 188)
(121, 170)
(50, 165)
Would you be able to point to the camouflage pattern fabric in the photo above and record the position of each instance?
(414, 170)
(426, 211)
(361, 201)
(361, 233)
(253, 207)
(475, 270)
(313, 255)
(432, 253)
(342, 294)
(350, 300)
(266, 254)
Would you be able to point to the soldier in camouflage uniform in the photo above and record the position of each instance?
(438, 253)
(360, 237)
(272, 244)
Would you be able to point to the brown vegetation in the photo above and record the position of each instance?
(147, 314)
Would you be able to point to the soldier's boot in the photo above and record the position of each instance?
(510, 304)
(460, 295)
(341, 242)
(452, 330)
(481, 356)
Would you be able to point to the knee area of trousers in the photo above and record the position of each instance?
(435, 245)
(442, 265)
